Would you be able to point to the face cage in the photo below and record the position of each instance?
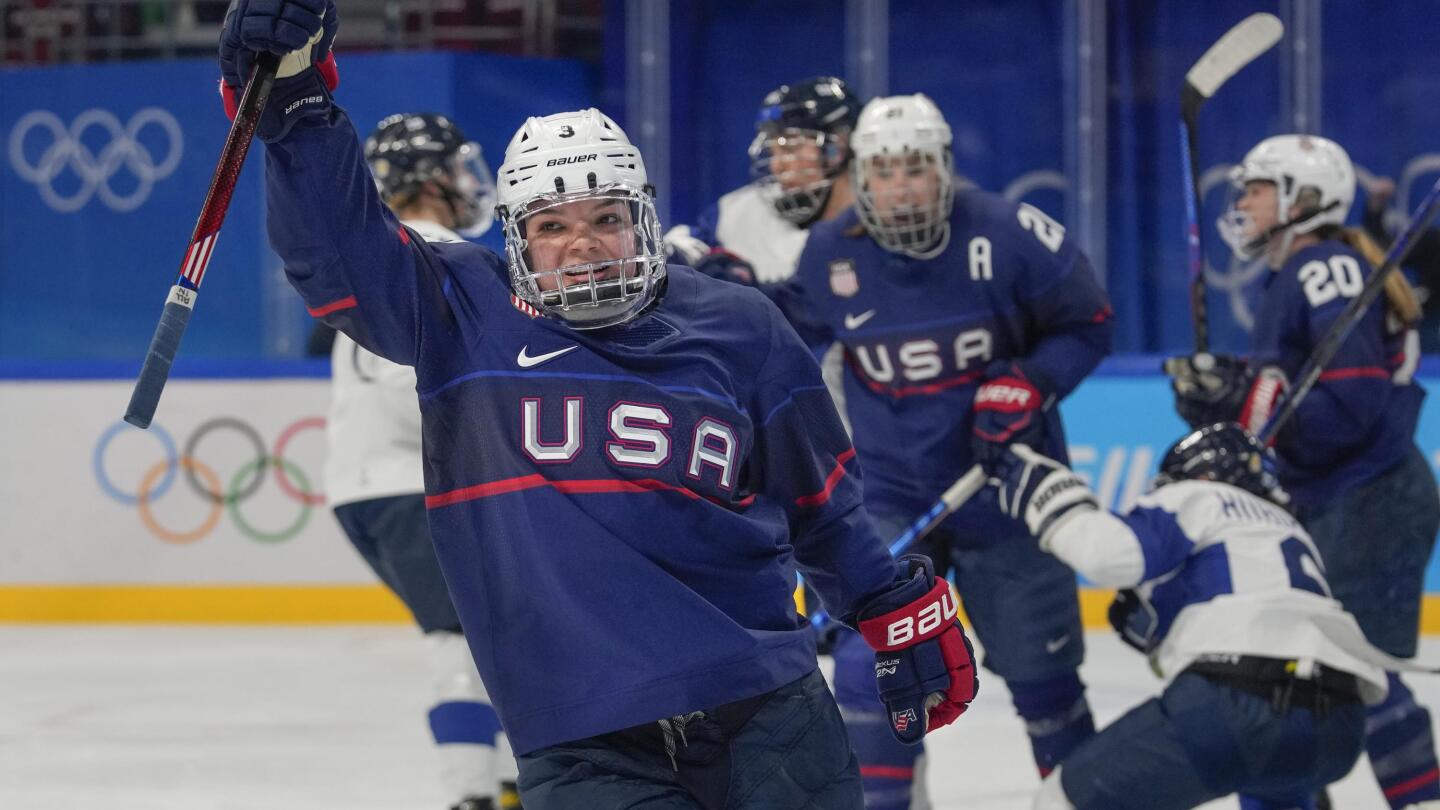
(922, 231)
(1235, 224)
(581, 298)
(799, 203)
(473, 195)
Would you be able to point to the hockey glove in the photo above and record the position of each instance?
(924, 664)
(1039, 491)
(300, 30)
(1009, 409)
(726, 266)
(1209, 388)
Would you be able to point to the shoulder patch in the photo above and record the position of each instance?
(843, 281)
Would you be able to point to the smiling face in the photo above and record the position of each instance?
(577, 235)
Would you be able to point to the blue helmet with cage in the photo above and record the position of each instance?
(1227, 453)
(409, 153)
(802, 144)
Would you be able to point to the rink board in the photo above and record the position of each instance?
(102, 523)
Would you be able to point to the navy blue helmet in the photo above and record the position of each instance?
(407, 151)
(802, 144)
(1227, 453)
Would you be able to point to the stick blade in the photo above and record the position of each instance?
(1251, 37)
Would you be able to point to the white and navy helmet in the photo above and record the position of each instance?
(912, 130)
(565, 158)
(1307, 170)
(408, 151)
(819, 113)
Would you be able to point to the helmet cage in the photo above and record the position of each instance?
(919, 229)
(798, 192)
(594, 294)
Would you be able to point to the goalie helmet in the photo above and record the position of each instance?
(408, 150)
(581, 234)
(802, 145)
(1309, 171)
(903, 174)
(1227, 453)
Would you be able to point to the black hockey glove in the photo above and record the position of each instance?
(1209, 388)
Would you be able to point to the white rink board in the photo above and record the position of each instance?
(60, 525)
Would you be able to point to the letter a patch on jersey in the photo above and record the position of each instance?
(843, 281)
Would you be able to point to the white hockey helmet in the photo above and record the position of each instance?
(1307, 170)
(899, 135)
(568, 158)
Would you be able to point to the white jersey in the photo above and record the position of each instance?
(1227, 573)
(373, 432)
(745, 223)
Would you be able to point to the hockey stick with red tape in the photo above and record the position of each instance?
(180, 303)
(1334, 337)
(1240, 46)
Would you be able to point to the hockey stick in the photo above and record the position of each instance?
(181, 300)
(950, 500)
(1331, 341)
(1240, 46)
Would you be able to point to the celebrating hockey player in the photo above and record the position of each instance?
(1348, 458)
(1222, 587)
(434, 180)
(964, 320)
(625, 464)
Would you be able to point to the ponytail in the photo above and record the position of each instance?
(1399, 295)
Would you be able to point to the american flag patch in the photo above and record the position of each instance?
(197, 258)
(843, 281)
(523, 307)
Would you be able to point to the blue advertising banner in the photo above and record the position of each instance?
(105, 167)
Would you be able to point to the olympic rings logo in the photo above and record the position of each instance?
(201, 479)
(67, 150)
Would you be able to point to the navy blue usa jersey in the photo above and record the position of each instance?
(619, 513)
(1359, 419)
(919, 335)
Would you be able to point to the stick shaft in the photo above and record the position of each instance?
(180, 302)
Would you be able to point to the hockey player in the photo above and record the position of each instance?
(964, 320)
(799, 160)
(1224, 590)
(434, 180)
(1347, 457)
(625, 464)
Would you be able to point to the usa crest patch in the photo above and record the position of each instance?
(843, 281)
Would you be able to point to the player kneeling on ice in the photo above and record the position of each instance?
(1223, 589)
(625, 464)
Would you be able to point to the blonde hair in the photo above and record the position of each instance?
(1399, 295)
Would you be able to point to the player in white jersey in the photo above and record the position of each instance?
(1224, 590)
(437, 183)
(799, 161)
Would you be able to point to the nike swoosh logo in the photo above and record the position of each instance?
(855, 321)
(527, 361)
(1053, 646)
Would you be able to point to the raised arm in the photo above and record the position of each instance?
(355, 267)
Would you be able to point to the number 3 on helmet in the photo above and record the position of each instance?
(581, 234)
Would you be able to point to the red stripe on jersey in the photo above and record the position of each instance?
(886, 772)
(579, 487)
(1352, 373)
(404, 236)
(831, 481)
(334, 306)
(1408, 785)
